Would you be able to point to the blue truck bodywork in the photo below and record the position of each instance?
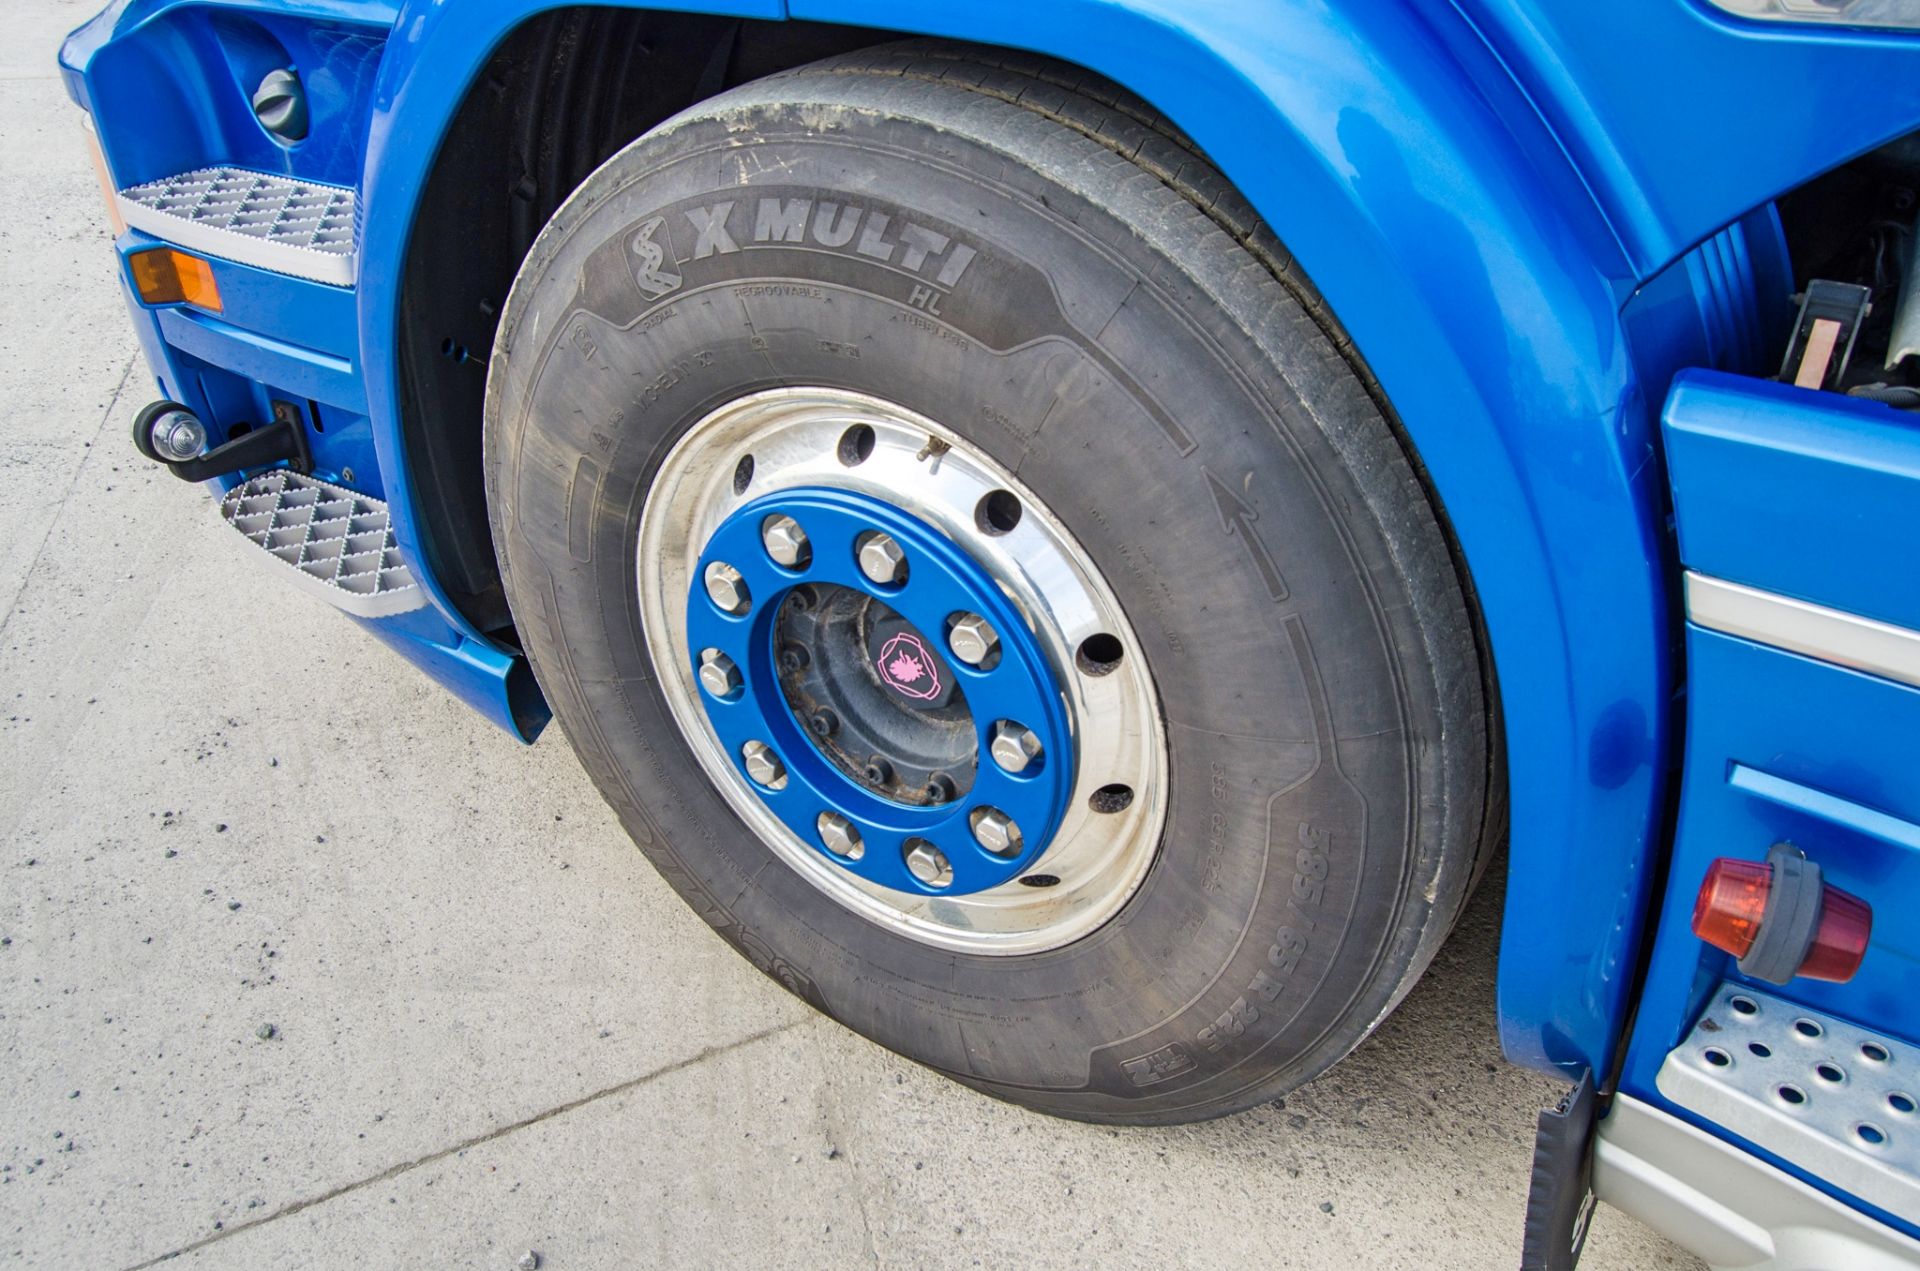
(1809, 499)
(1528, 215)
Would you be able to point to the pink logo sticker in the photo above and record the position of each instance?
(908, 668)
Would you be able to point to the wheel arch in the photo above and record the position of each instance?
(1467, 262)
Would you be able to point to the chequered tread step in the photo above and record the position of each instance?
(1838, 1100)
(259, 205)
(336, 538)
(303, 228)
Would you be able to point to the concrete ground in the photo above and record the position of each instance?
(301, 964)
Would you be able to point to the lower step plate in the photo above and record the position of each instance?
(336, 544)
(1836, 1100)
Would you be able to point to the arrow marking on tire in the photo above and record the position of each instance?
(1237, 519)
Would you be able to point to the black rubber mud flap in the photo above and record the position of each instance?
(1560, 1201)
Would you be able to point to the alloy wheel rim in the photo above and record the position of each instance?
(1053, 812)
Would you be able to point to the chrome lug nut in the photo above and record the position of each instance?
(726, 588)
(786, 542)
(839, 836)
(718, 674)
(882, 560)
(764, 766)
(1014, 746)
(928, 863)
(973, 639)
(995, 831)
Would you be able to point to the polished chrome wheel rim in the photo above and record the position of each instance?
(803, 527)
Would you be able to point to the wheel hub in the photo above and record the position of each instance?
(875, 696)
(842, 683)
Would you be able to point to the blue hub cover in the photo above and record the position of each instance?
(881, 653)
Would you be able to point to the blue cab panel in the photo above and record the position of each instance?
(1810, 496)
(185, 73)
(1782, 748)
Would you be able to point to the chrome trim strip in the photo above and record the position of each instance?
(1830, 635)
(1879, 15)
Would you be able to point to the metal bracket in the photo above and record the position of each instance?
(283, 439)
(1791, 918)
(1823, 334)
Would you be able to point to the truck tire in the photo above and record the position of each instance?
(1142, 768)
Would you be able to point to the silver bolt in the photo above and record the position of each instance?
(785, 541)
(726, 588)
(973, 639)
(882, 559)
(718, 675)
(928, 863)
(995, 831)
(839, 836)
(764, 766)
(1014, 745)
(179, 436)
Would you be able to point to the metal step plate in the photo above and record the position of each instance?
(291, 227)
(335, 543)
(1832, 1098)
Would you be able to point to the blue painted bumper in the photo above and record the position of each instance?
(276, 337)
